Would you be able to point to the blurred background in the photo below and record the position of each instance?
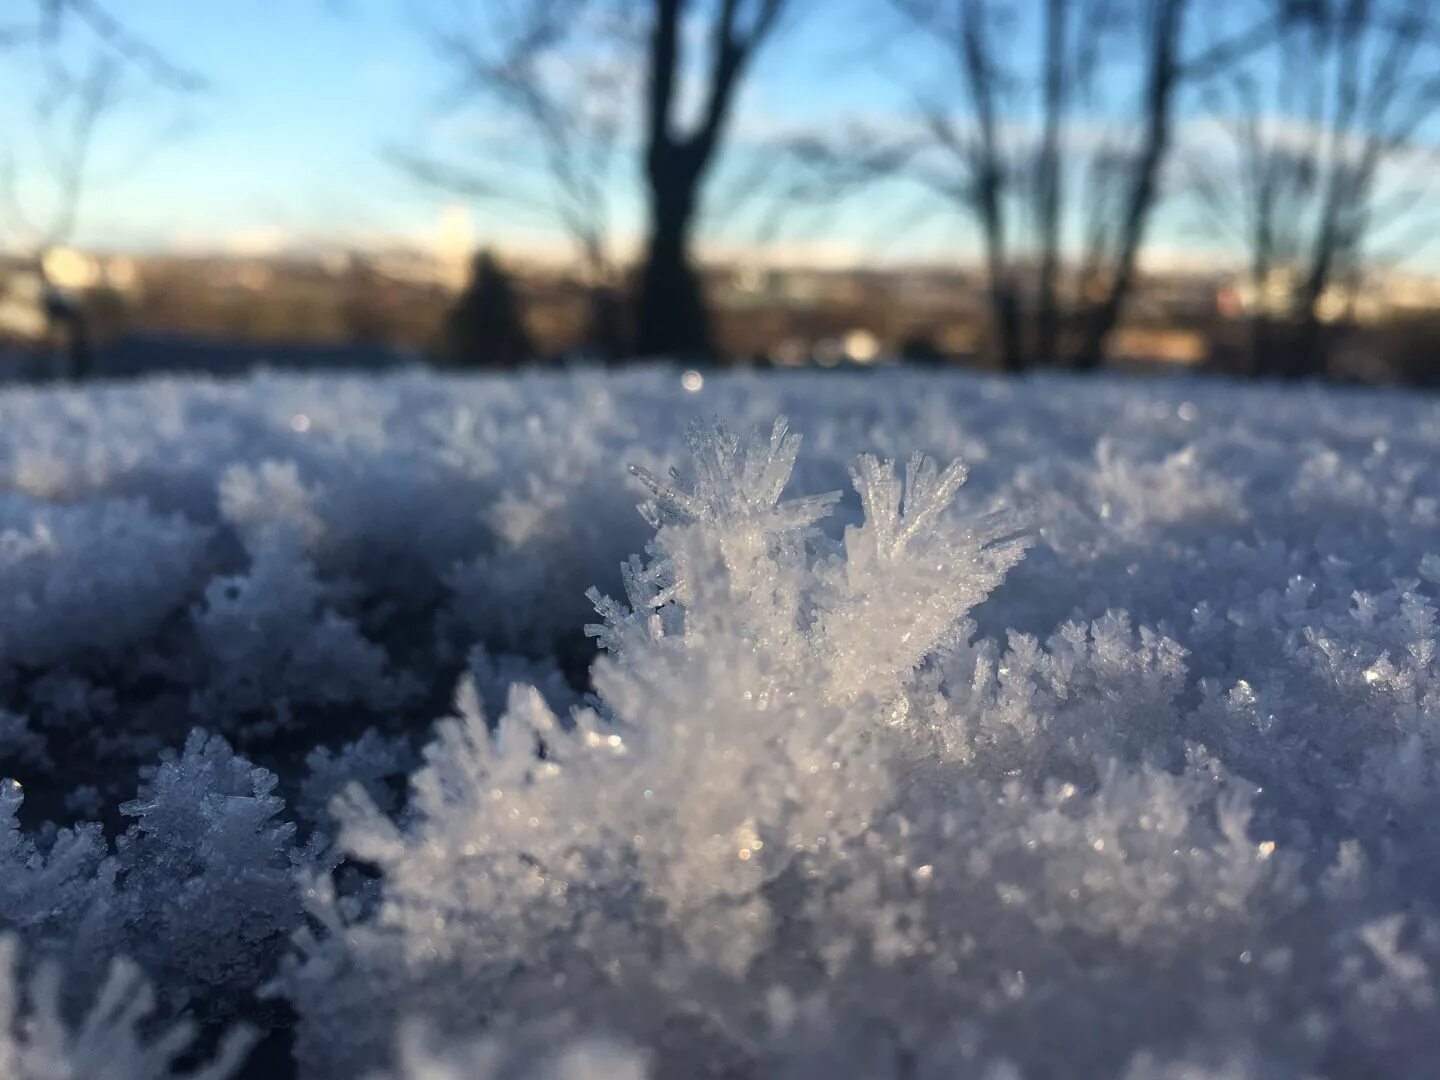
(1248, 186)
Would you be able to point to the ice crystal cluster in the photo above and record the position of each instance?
(359, 727)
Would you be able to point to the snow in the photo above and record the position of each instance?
(1113, 751)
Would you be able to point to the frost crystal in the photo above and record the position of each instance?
(544, 1053)
(53, 894)
(36, 1042)
(207, 851)
(849, 789)
(715, 776)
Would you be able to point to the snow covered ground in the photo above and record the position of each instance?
(1120, 760)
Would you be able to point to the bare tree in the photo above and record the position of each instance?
(672, 316)
(1043, 157)
(56, 17)
(1323, 162)
(1049, 176)
(68, 116)
(803, 178)
(586, 81)
(73, 99)
(557, 68)
(1141, 177)
(557, 79)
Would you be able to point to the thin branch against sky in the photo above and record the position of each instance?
(311, 124)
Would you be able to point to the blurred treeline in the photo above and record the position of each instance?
(1299, 134)
(816, 318)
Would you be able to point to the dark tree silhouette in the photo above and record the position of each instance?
(75, 109)
(672, 317)
(607, 330)
(485, 327)
(572, 75)
(70, 107)
(1141, 180)
(1169, 68)
(560, 75)
(1323, 164)
(57, 17)
(1076, 170)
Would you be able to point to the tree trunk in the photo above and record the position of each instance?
(1049, 184)
(1161, 81)
(1309, 356)
(67, 322)
(607, 336)
(1341, 188)
(1263, 344)
(1005, 310)
(989, 192)
(672, 319)
(81, 358)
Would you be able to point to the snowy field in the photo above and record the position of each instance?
(1120, 760)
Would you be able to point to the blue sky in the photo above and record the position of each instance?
(286, 139)
(306, 93)
(285, 149)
